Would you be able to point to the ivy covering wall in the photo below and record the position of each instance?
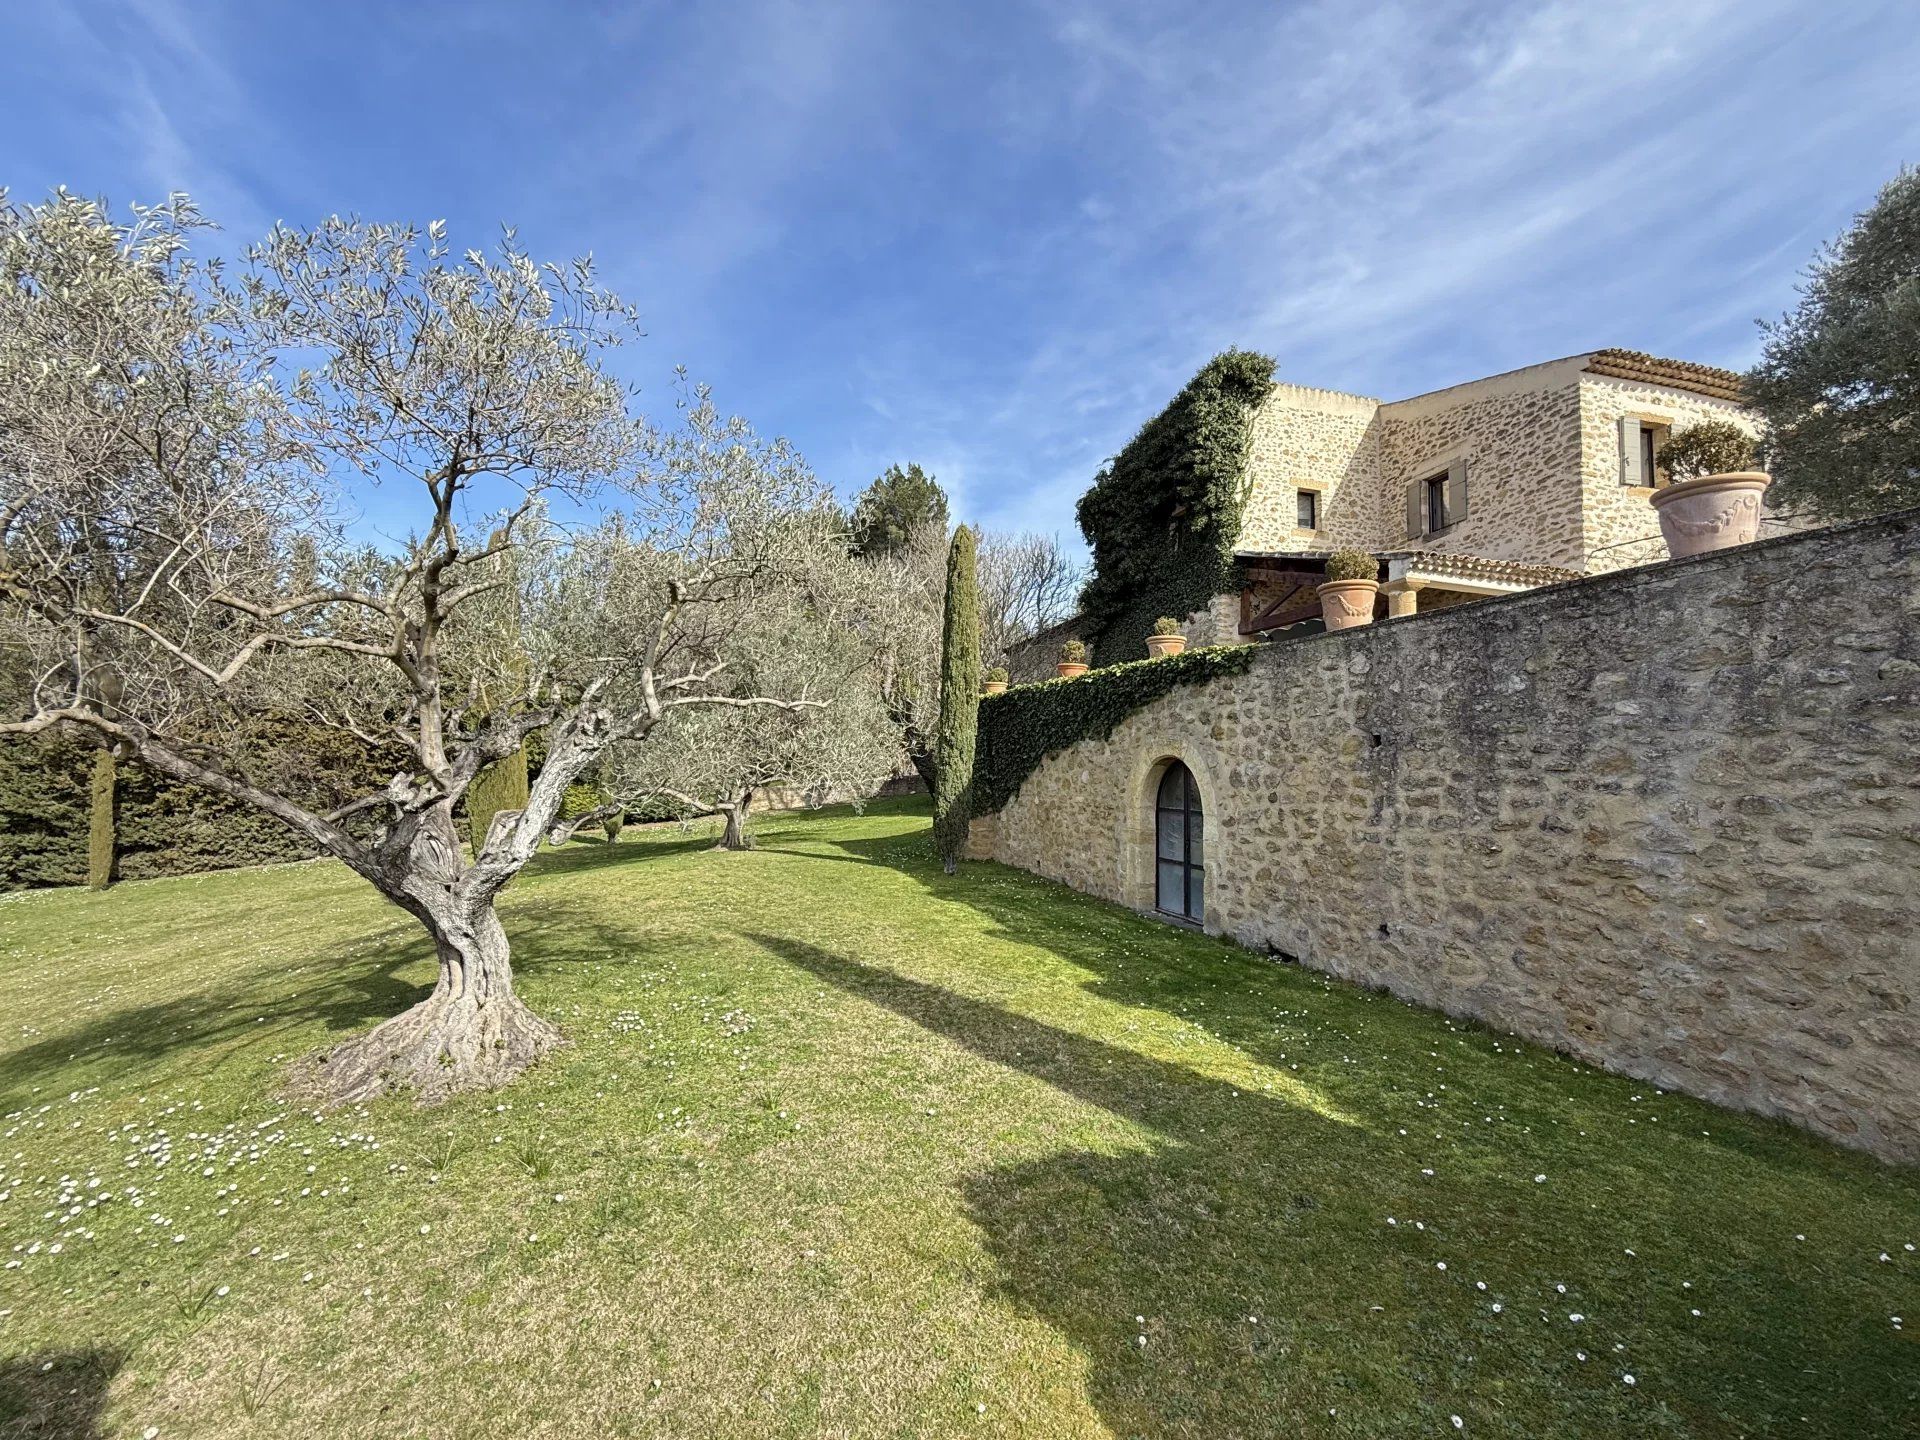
(1029, 722)
(1164, 515)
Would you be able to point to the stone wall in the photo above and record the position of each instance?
(1520, 438)
(1666, 820)
(1326, 441)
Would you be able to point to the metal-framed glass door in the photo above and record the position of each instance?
(1178, 846)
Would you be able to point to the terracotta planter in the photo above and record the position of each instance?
(1715, 512)
(1347, 603)
(993, 687)
(1067, 669)
(1158, 645)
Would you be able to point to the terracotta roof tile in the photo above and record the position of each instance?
(1479, 567)
(1706, 380)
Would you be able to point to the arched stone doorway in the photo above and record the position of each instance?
(1138, 836)
(1179, 846)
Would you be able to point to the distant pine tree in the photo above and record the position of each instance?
(959, 703)
(902, 500)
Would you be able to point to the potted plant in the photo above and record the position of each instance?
(1347, 594)
(1714, 500)
(1166, 638)
(1073, 660)
(995, 681)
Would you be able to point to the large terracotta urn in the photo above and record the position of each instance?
(1158, 645)
(1067, 669)
(993, 687)
(1347, 603)
(1712, 513)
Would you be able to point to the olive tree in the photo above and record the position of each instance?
(211, 427)
(1838, 380)
(719, 761)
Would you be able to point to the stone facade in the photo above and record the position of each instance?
(1320, 440)
(1541, 450)
(1619, 526)
(1666, 820)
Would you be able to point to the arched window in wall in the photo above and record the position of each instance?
(1180, 861)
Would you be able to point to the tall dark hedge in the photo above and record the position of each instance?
(45, 796)
(162, 827)
(959, 702)
(1164, 515)
(502, 785)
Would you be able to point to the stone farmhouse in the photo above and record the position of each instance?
(1495, 486)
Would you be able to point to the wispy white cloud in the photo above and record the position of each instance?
(1398, 198)
(181, 119)
(995, 238)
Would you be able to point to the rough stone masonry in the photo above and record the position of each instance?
(1666, 820)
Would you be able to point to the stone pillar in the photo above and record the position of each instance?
(1401, 596)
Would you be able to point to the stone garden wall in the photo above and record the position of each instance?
(1666, 820)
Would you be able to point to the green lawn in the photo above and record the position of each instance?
(842, 1146)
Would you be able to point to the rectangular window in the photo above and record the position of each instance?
(1307, 509)
(1640, 442)
(1436, 497)
(1652, 437)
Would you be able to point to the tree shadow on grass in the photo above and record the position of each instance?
(56, 1396)
(583, 854)
(346, 985)
(340, 998)
(1251, 1235)
(1139, 961)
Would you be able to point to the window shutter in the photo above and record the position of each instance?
(1630, 467)
(1416, 510)
(1456, 492)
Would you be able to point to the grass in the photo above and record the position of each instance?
(842, 1146)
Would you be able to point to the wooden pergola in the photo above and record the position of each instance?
(1282, 591)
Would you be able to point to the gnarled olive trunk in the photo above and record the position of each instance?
(472, 1031)
(735, 836)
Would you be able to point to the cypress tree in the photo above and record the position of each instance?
(959, 703)
(502, 785)
(100, 830)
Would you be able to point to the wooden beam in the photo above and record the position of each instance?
(1298, 600)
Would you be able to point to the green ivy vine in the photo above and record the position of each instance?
(1029, 722)
(1164, 516)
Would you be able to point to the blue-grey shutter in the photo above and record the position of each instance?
(1416, 509)
(1631, 470)
(1456, 492)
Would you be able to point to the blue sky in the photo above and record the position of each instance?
(994, 238)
